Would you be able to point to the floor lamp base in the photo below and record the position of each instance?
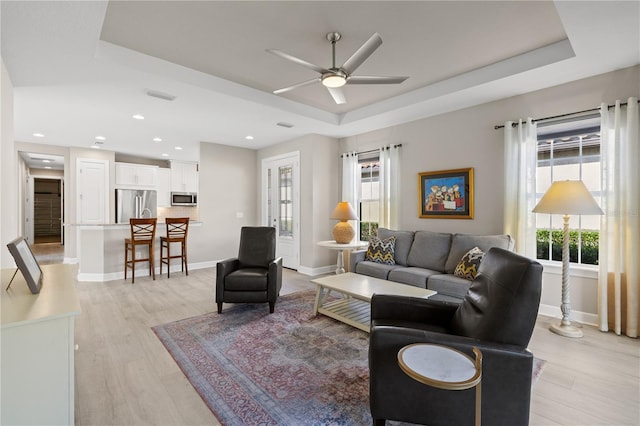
(566, 330)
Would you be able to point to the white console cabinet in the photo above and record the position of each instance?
(37, 370)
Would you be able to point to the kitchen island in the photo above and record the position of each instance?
(100, 251)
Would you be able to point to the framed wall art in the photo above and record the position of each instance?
(446, 194)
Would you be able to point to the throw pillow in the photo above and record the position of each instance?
(381, 251)
(468, 266)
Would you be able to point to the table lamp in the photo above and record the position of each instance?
(567, 197)
(343, 232)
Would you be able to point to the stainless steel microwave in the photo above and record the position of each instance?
(184, 199)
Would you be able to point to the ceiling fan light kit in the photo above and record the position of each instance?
(334, 78)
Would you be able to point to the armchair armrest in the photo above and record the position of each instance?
(405, 309)
(506, 381)
(356, 257)
(275, 277)
(224, 268)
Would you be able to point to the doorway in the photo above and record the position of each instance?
(43, 211)
(47, 211)
(281, 205)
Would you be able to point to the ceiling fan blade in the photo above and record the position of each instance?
(362, 53)
(338, 95)
(298, 61)
(295, 86)
(372, 79)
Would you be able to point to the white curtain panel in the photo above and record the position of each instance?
(520, 150)
(619, 277)
(351, 179)
(389, 187)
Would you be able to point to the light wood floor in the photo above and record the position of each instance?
(125, 376)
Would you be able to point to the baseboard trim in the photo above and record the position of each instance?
(316, 271)
(578, 316)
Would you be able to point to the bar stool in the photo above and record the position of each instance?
(177, 229)
(143, 233)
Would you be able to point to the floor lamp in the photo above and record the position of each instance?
(567, 197)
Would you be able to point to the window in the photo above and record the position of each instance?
(569, 151)
(369, 206)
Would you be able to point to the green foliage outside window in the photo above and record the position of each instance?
(367, 229)
(589, 245)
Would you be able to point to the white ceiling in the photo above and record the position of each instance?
(82, 69)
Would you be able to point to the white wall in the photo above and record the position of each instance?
(227, 186)
(319, 168)
(9, 202)
(467, 138)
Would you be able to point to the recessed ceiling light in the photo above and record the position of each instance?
(178, 148)
(38, 135)
(138, 117)
(95, 146)
(47, 167)
(46, 161)
(249, 137)
(101, 138)
(157, 140)
(165, 155)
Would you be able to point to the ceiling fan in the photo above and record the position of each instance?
(335, 77)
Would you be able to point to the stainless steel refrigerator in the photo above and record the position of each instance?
(135, 203)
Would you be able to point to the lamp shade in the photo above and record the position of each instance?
(568, 197)
(344, 211)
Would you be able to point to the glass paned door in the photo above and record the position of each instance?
(281, 205)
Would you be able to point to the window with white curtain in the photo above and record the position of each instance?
(369, 196)
(569, 151)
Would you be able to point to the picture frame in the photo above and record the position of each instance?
(26, 263)
(455, 202)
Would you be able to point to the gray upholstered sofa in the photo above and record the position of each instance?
(428, 259)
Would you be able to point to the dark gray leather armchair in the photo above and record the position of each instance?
(255, 276)
(497, 315)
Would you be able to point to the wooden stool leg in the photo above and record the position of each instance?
(126, 259)
(133, 263)
(184, 257)
(161, 262)
(152, 265)
(168, 259)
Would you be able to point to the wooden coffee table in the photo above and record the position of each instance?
(354, 307)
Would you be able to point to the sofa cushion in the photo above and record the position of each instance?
(429, 250)
(372, 269)
(468, 266)
(412, 276)
(404, 239)
(462, 243)
(381, 251)
(449, 285)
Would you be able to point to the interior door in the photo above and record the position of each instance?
(281, 203)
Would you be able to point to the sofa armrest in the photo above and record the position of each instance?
(403, 309)
(356, 257)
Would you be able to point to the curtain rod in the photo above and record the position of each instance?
(496, 127)
(372, 150)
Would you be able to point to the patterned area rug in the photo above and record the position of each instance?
(286, 368)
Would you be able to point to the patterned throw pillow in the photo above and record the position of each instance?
(468, 266)
(381, 251)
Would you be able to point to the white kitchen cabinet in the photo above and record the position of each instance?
(184, 176)
(37, 370)
(135, 176)
(164, 187)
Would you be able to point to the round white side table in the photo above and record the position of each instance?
(443, 368)
(332, 245)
